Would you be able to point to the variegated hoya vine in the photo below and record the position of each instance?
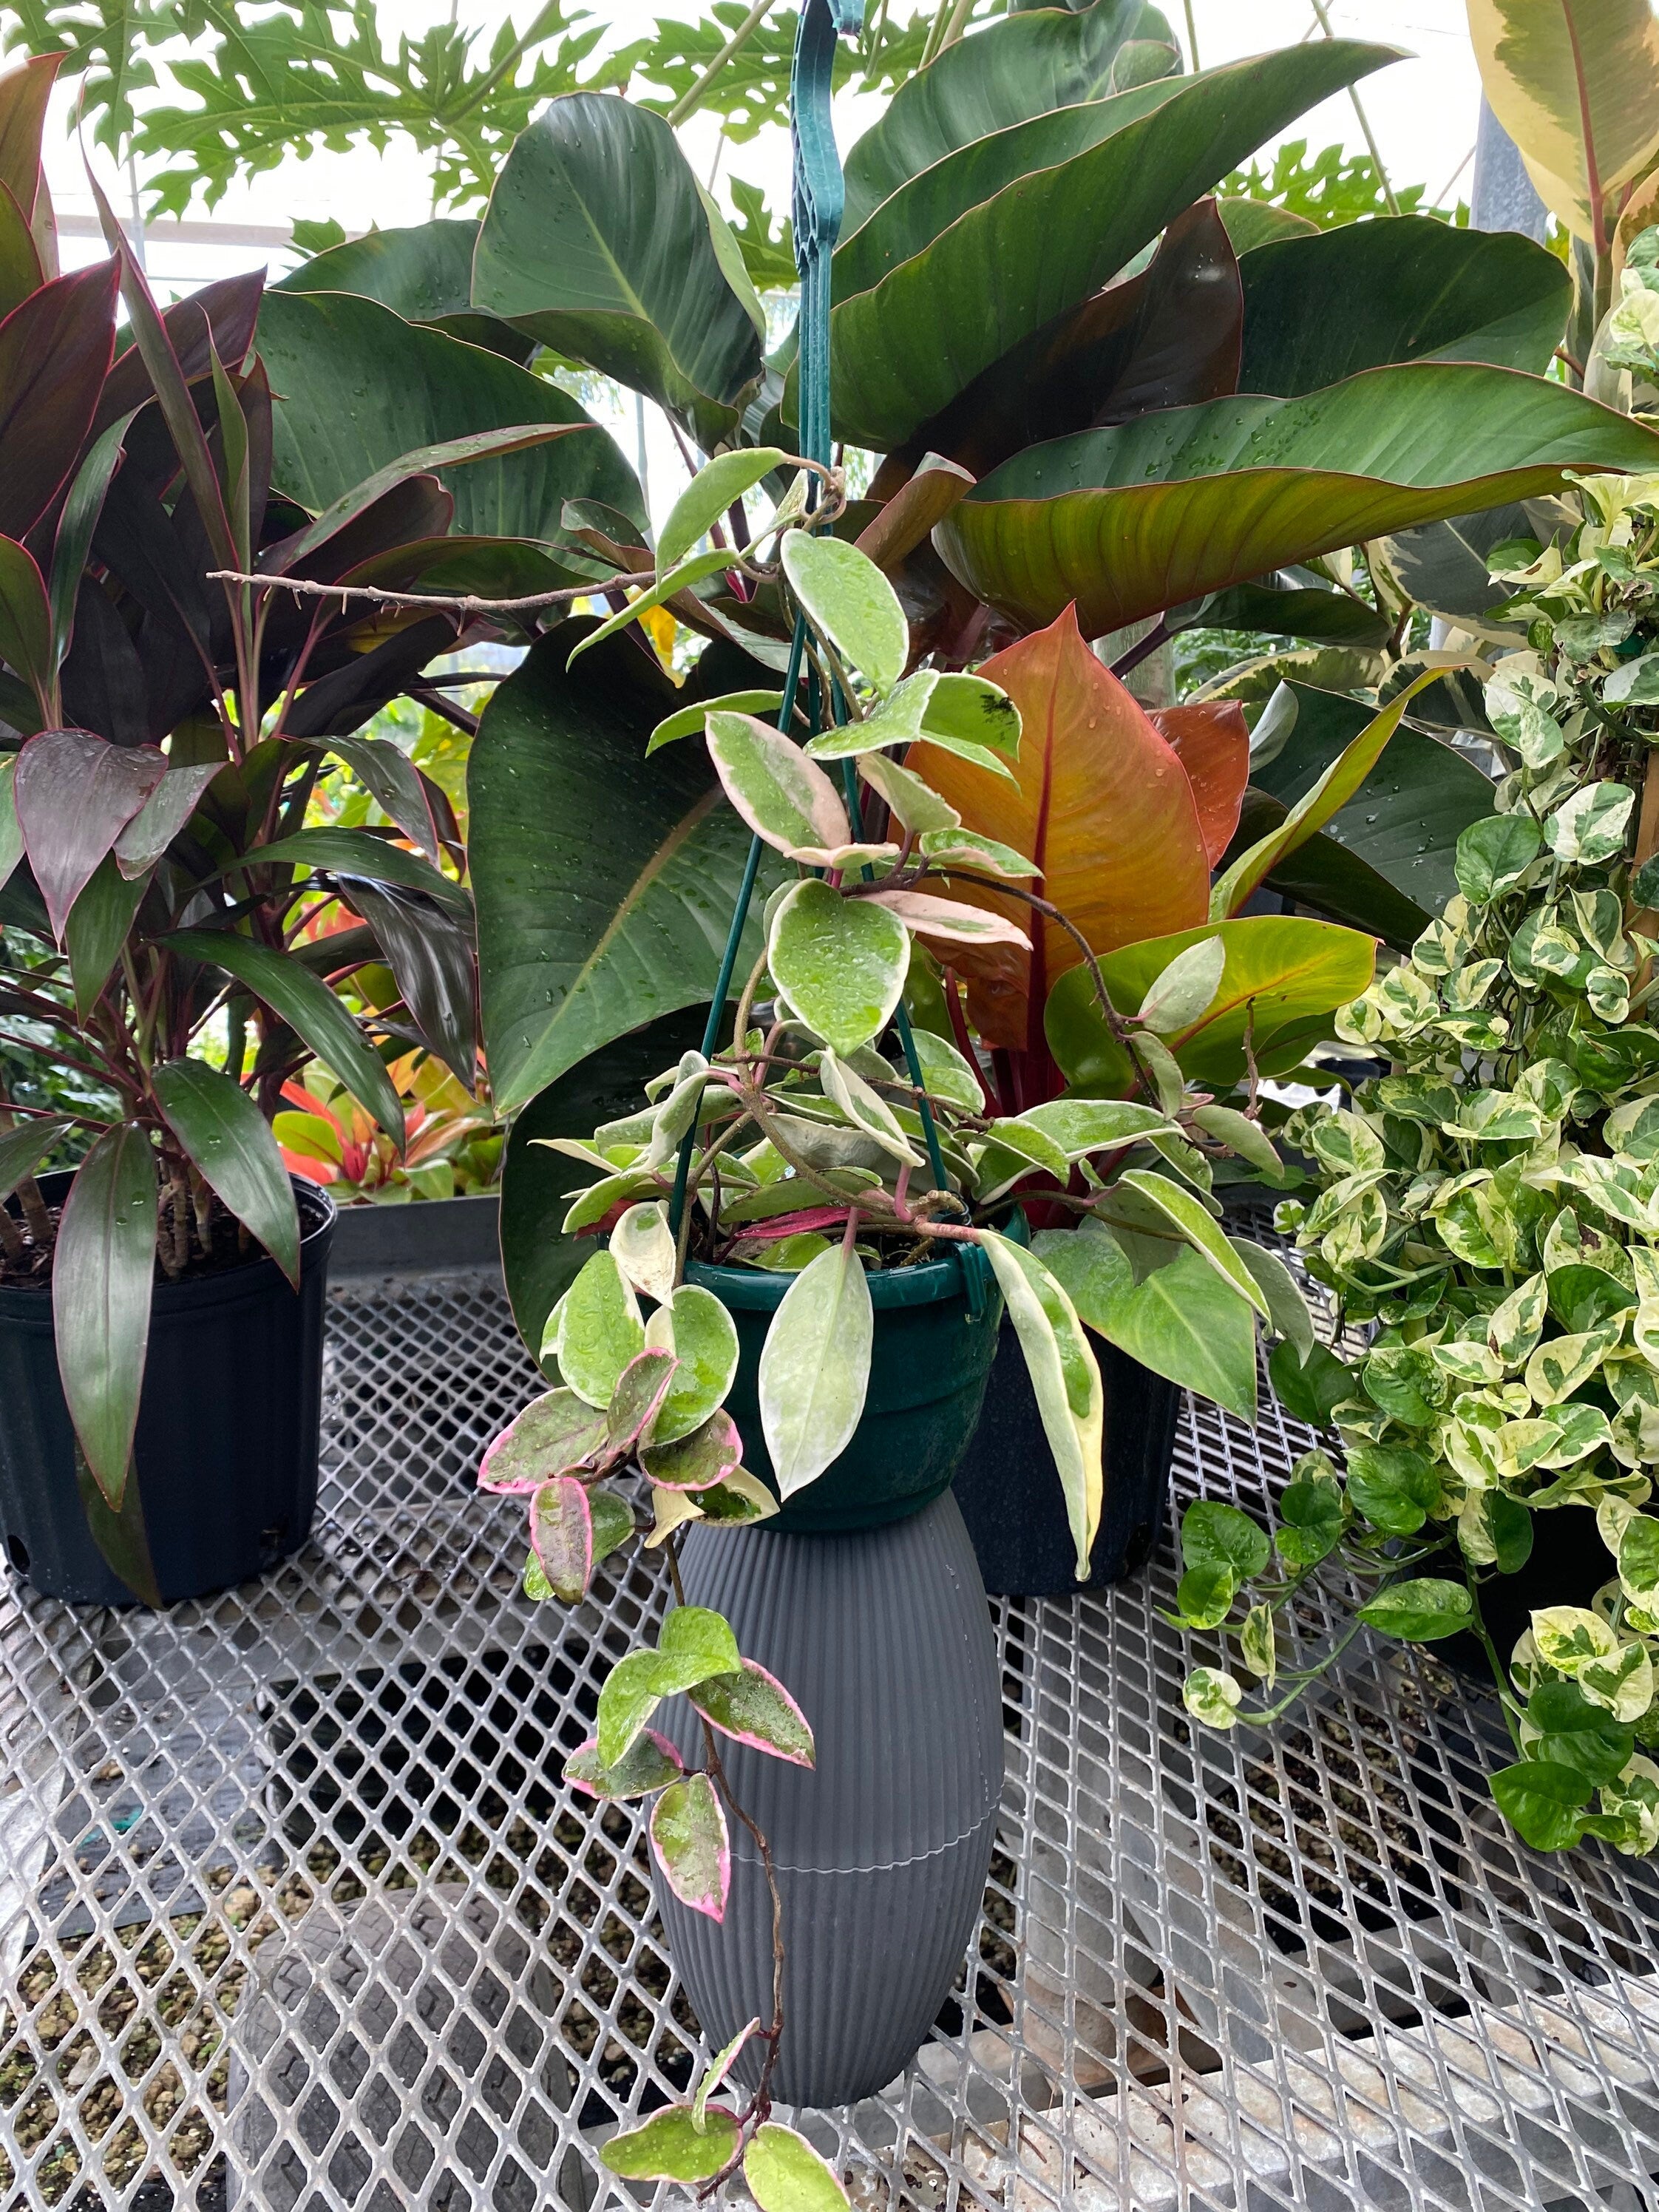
(827, 1139)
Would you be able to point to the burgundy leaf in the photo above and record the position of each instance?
(75, 795)
(55, 352)
(561, 1537)
(23, 95)
(689, 1838)
(227, 311)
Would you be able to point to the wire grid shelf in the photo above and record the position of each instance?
(294, 1912)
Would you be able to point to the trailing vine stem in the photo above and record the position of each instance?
(760, 2105)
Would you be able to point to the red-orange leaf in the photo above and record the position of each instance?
(1103, 806)
(1213, 745)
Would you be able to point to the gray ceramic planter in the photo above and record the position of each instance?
(884, 1637)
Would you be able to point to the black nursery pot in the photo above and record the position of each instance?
(1568, 1565)
(1009, 1490)
(226, 1449)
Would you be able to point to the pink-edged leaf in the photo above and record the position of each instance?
(709, 1454)
(949, 923)
(222, 316)
(794, 1224)
(649, 1763)
(753, 1707)
(719, 2067)
(76, 792)
(670, 2147)
(637, 1399)
(55, 348)
(561, 1537)
(786, 2174)
(554, 1434)
(692, 1847)
(162, 817)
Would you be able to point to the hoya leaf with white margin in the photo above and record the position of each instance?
(1177, 998)
(946, 1075)
(864, 1107)
(915, 803)
(642, 1246)
(716, 487)
(1065, 1379)
(949, 923)
(1202, 1232)
(815, 1368)
(690, 722)
(678, 579)
(785, 799)
(966, 849)
(840, 962)
(848, 600)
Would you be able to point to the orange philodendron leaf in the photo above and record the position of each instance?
(1212, 741)
(1103, 806)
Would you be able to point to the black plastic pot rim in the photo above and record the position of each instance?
(225, 1289)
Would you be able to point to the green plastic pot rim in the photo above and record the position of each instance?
(759, 1290)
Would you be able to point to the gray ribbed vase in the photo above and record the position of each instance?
(884, 1638)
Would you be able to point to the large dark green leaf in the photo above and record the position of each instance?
(309, 1008)
(1128, 521)
(230, 1141)
(1284, 607)
(97, 928)
(1003, 75)
(605, 883)
(1406, 819)
(102, 1269)
(361, 388)
(1442, 565)
(904, 348)
(1328, 880)
(599, 241)
(423, 274)
(1401, 287)
(539, 1261)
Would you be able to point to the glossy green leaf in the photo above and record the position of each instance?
(1397, 288)
(1282, 973)
(1287, 1308)
(1418, 1612)
(1572, 1732)
(230, 1141)
(1180, 1322)
(1394, 1487)
(1175, 999)
(849, 600)
(357, 853)
(423, 272)
(716, 486)
(1065, 1380)
(1310, 1523)
(1310, 1385)
(598, 241)
(102, 1272)
(669, 2147)
(339, 419)
(604, 893)
(1128, 521)
(786, 2174)
(815, 1368)
(1217, 1535)
(1541, 1800)
(1024, 65)
(1200, 1230)
(946, 1075)
(840, 962)
(309, 1008)
(602, 1333)
(688, 721)
(1319, 803)
(694, 1643)
(1000, 267)
(704, 1341)
(695, 570)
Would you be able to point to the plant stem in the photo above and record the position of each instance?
(693, 97)
(1192, 36)
(1393, 204)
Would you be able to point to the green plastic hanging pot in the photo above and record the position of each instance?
(931, 1359)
